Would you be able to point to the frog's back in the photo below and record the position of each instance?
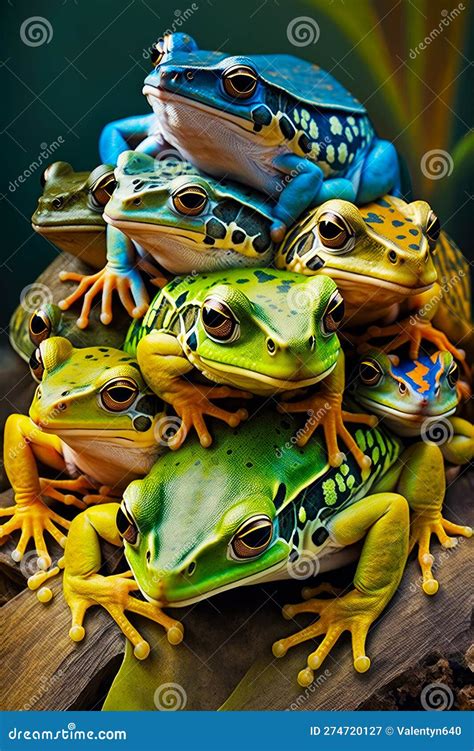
(454, 277)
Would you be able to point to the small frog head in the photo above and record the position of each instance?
(262, 330)
(187, 220)
(183, 548)
(406, 393)
(386, 247)
(97, 389)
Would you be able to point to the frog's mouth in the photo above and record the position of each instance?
(148, 229)
(163, 96)
(253, 380)
(415, 417)
(352, 280)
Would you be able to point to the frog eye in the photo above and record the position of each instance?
(158, 52)
(333, 314)
(334, 233)
(219, 321)
(119, 394)
(126, 525)
(102, 184)
(252, 538)
(370, 372)
(190, 200)
(44, 176)
(433, 229)
(39, 327)
(453, 375)
(240, 81)
(36, 365)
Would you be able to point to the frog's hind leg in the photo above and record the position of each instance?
(383, 520)
(422, 481)
(380, 173)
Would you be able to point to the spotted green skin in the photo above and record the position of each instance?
(276, 308)
(410, 392)
(252, 470)
(231, 230)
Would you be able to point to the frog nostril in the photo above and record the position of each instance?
(148, 556)
(137, 201)
(191, 568)
(271, 346)
(392, 256)
(62, 406)
(311, 342)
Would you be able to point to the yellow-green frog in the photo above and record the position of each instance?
(92, 417)
(262, 509)
(261, 331)
(383, 257)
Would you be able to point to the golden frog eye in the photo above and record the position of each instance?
(102, 184)
(158, 52)
(39, 327)
(119, 394)
(370, 372)
(219, 321)
(240, 81)
(333, 314)
(433, 229)
(190, 200)
(36, 365)
(253, 537)
(126, 526)
(333, 231)
(453, 375)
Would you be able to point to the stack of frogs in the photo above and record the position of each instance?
(279, 399)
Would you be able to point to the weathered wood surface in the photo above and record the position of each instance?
(226, 657)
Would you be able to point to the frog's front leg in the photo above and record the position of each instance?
(164, 367)
(422, 481)
(383, 520)
(380, 173)
(121, 135)
(84, 587)
(120, 274)
(325, 409)
(24, 444)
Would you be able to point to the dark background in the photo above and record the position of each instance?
(91, 72)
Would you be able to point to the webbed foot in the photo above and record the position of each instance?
(114, 594)
(33, 519)
(129, 285)
(326, 410)
(192, 401)
(352, 612)
(422, 526)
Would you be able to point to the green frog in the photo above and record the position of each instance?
(185, 221)
(262, 510)
(394, 267)
(92, 417)
(277, 123)
(69, 212)
(261, 331)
